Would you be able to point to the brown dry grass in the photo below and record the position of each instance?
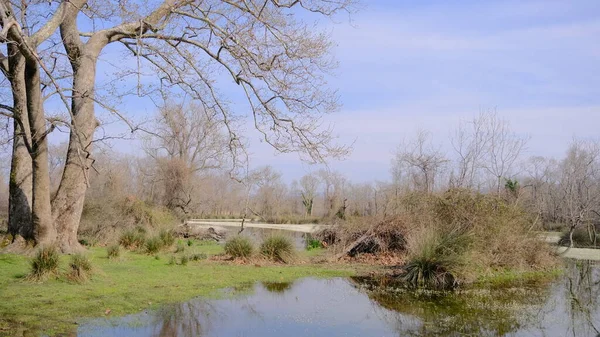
(494, 234)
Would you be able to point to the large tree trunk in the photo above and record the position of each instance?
(20, 184)
(44, 230)
(68, 202)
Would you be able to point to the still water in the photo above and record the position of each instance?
(566, 306)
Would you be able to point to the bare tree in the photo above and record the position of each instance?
(470, 141)
(268, 192)
(309, 186)
(503, 149)
(185, 141)
(278, 61)
(580, 184)
(420, 161)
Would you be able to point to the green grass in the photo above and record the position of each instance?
(505, 278)
(126, 286)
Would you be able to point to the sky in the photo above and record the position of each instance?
(410, 65)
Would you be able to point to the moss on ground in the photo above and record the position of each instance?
(125, 285)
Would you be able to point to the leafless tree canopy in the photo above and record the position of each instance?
(51, 52)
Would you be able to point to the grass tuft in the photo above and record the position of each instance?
(44, 264)
(132, 239)
(172, 261)
(180, 248)
(198, 257)
(434, 258)
(278, 248)
(184, 260)
(113, 251)
(167, 238)
(239, 247)
(80, 268)
(153, 245)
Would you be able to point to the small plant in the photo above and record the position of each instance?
(154, 245)
(239, 247)
(313, 244)
(44, 264)
(198, 257)
(278, 248)
(113, 251)
(132, 239)
(80, 268)
(172, 261)
(434, 258)
(180, 248)
(184, 260)
(190, 243)
(167, 238)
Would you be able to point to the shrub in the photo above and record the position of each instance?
(132, 239)
(239, 247)
(190, 243)
(172, 261)
(80, 268)
(167, 238)
(313, 244)
(113, 251)
(278, 248)
(184, 260)
(44, 264)
(434, 258)
(180, 248)
(154, 245)
(198, 256)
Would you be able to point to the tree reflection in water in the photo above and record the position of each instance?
(566, 306)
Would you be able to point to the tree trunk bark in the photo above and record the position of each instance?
(68, 203)
(20, 184)
(44, 231)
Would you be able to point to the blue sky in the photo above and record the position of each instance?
(409, 65)
(406, 65)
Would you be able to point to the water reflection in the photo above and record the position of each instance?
(568, 306)
(277, 287)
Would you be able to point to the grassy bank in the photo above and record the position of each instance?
(128, 284)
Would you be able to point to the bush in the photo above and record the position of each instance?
(190, 243)
(105, 218)
(44, 264)
(278, 248)
(167, 238)
(80, 268)
(113, 251)
(435, 258)
(154, 245)
(239, 247)
(184, 260)
(172, 261)
(313, 244)
(500, 232)
(180, 248)
(132, 239)
(198, 257)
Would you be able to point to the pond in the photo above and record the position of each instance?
(566, 306)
